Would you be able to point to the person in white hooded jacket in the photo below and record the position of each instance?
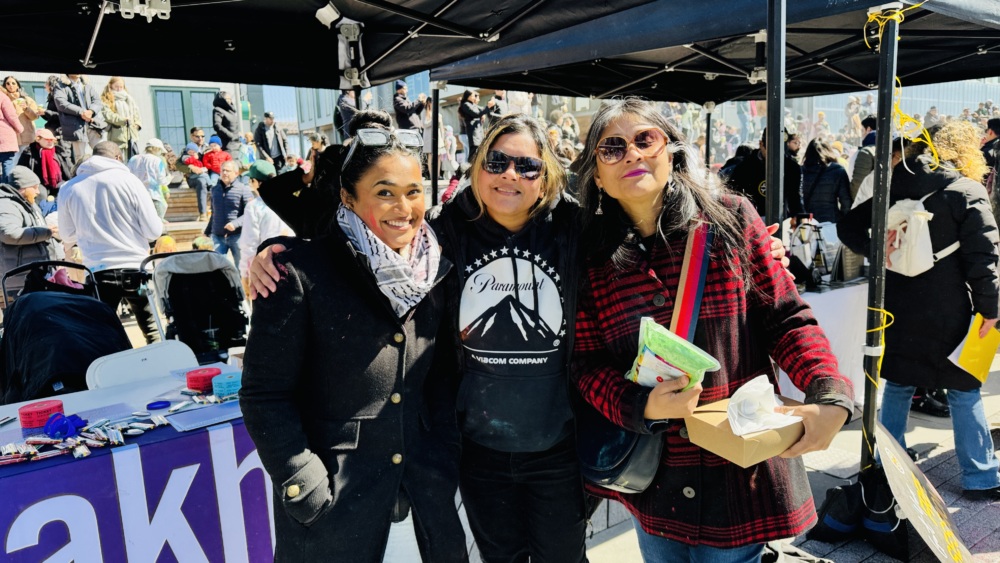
(107, 212)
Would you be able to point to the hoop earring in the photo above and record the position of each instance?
(600, 200)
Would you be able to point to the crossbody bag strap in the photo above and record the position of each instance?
(694, 270)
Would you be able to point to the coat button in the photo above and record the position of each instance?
(395, 398)
(688, 492)
(398, 337)
(684, 433)
(397, 459)
(292, 491)
(659, 300)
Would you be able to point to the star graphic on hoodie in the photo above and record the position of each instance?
(551, 270)
(504, 251)
(527, 254)
(517, 252)
(468, 269)
(479, 263)
(493, 254)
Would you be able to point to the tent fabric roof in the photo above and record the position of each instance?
(277, 42)
(701, 56)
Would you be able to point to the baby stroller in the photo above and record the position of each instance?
(52, 333)
(200, 295)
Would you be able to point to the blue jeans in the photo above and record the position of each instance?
(973, 444)
(657, 549)
(7, 163)
(200, 183)
(231, 243)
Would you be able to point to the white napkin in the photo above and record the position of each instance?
(751, 408)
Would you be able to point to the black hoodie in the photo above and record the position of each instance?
(515, 322)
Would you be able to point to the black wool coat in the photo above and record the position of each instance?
(932, 311)
(348, 405)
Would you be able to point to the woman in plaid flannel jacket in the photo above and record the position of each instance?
(641, 192)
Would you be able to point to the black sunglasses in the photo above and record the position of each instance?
(526, 167)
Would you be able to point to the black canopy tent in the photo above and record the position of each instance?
(279, 42)
(707, 51)
(711, 52)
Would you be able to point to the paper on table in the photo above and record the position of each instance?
(751, 408)
(975, 355)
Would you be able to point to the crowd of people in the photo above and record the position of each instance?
(37, 165)
(399, 354)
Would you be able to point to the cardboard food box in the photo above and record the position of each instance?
(709, 428)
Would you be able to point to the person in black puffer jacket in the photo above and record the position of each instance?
(225, 121)
(826, 189)
(933, 310)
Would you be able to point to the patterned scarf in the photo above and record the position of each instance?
(405, 280)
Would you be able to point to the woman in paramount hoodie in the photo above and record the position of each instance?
(512, 236)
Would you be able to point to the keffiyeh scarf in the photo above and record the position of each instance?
(405, 280)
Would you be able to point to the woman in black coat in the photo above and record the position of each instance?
(349, 401)
(225, 121)
(472, 118)
(826, 189)
(933, 310)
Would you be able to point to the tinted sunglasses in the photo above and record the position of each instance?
(498, 162)
(649, 143)
(382, 137)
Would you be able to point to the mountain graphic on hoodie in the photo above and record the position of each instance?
(509, 326)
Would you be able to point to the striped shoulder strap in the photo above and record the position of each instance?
(692, 283)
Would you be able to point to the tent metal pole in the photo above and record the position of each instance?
(93, 38)
(880, 216)
(775, 142)
(434, 20)
(708, 140)
(416, 31)
(435, 158)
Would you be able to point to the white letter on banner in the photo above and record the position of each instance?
(228, 477)
(84, 541)
(144, 538)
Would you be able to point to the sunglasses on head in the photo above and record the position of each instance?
(649, 143)
(382, 137)
(498, 162)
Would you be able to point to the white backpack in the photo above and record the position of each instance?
(912, 253)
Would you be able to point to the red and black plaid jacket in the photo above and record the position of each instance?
(699, 498)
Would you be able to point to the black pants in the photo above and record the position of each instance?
(110, 285)
(523, 505)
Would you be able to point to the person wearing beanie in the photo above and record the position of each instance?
(407, 112)
(259, 222)
(214, 157)
(24, 236)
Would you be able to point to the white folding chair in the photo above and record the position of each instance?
(150, 361)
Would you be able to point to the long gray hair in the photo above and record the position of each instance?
(693, 193)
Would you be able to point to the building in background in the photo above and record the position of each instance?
(168, 108)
